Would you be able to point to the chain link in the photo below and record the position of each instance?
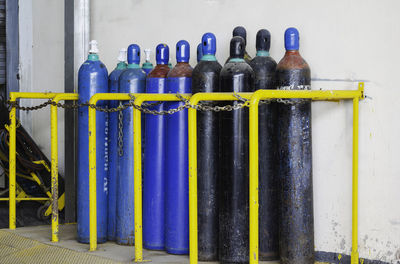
(120, 133)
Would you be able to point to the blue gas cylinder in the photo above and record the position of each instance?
(132, 80)
(92, 79)
(113, 146)
(147, 66)
(154, 161)
(179, 80)
(199, 52)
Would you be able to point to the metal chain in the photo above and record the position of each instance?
(202, 106)
(120, 133)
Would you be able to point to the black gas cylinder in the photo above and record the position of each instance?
(206, 80)
(295, 158)
(264, 71)
(236, 76)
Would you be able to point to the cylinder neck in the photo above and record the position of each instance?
(93, 57)
(262, 53)
(208, 57)
(121, 65)
(236, 60)
(133, 66)
(292, 52)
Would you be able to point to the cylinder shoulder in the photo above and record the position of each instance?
(114, 75)
(160, 71)
(181, 70)
(207, 66)
(93, 66)
(132, 74)
(263, 62)
(292, 61)
(235, 68)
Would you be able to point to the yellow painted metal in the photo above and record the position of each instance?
(54, 166)
(354, 248)
(43, 163)
(61, 204)
(27, 199)
(92, 162)
(54, 161)
(140, 98)
(253, 179)
(12, 155)
(12, 164)
(331, 95)
(192, 124)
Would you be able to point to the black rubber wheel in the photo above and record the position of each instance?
(40, 214)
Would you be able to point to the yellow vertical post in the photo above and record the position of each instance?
(92, 177)
(12, 162)
(354, 248)
(54, 172)
(193, 241)
(137, 139)
(253, 179)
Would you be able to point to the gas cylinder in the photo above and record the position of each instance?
(147, 66)
(236, 76)
(240, 31)
(199, 52)
(179, 80)
(264, 72)
(295, 154)
(206, 80)
(92, 79)
(132, 80)
(154, 161)
(113, 145)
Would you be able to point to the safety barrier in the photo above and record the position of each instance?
(56, 97)
(330, 95)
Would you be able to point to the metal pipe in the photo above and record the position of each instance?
(354, 248)
(253, 179)
(54, 161)
(12, 169)
(27, 199)
(140, 98)
(12, 155)
(92, 161)
(193, 236)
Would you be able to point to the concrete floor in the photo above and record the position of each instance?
(108, 251)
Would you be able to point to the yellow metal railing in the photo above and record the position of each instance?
(56, 97)
(140, 98)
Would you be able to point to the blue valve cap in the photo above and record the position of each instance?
(182, 51)
(291, 39)
(162, 54)
(133, 54)
(209, 44)
(199, 52)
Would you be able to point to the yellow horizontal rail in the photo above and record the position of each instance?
(54, 152)
(27, 199)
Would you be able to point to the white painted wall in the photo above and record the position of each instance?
(42, 66)
(340, 39)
